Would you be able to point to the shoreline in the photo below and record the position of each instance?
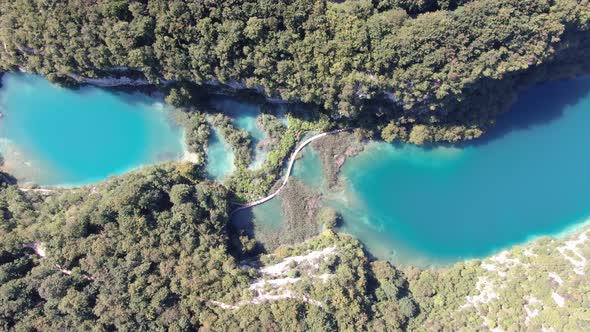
(187, 156)
(565, 232)
(16, 157)
(335, 151)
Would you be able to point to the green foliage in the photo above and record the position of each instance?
(196, 137)
(457, 60)
(238, 139)
(329, 218)
(420, 134)
(394, 132)
(515, 290)
(421, 6)
(142, 252)
(346, 301)
(251, 184)
(272, 126)
(117, 8)
(178, 97)
(148, 251)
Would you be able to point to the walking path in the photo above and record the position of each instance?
(38, 190)
(291, 162)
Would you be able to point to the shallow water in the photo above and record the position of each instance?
(57, 136)
(527, 178)
(308, 169)
(220, 157)
(244, 116)
(265, 218)
(269, 216)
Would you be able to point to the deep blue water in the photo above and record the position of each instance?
(57, 136)
(528, 177)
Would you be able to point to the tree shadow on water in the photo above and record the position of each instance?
(536, 106)
(242, 223)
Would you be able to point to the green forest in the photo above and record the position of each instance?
(151, 250)
(445, 67)
(154, 250)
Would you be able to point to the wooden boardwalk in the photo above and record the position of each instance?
(289, 169)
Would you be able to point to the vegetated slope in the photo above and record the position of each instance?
(540, 286)
(136, 253)
(149, 251)
(451, 71)
(332, 286)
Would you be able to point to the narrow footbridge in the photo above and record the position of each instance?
(291, 162)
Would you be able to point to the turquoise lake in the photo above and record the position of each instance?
(56, 136)
(308, 168)
(528, 177)
(268, 217)
(245, 116)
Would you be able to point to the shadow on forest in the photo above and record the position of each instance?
(6, 178)
(537, 105)
(242, 223)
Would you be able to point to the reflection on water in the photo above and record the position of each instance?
(425, 206)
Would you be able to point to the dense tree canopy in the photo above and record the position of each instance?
(138, 253)
(428, 56)
(150, 251)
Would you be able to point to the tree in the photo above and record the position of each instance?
(393, 132)
(178, 97)
(420, 134)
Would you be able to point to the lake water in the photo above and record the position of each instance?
(57, 136)
(308, 169)
(528, 177)
(268, 217)
(412, 205)
(244, 116)
(220, 157)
